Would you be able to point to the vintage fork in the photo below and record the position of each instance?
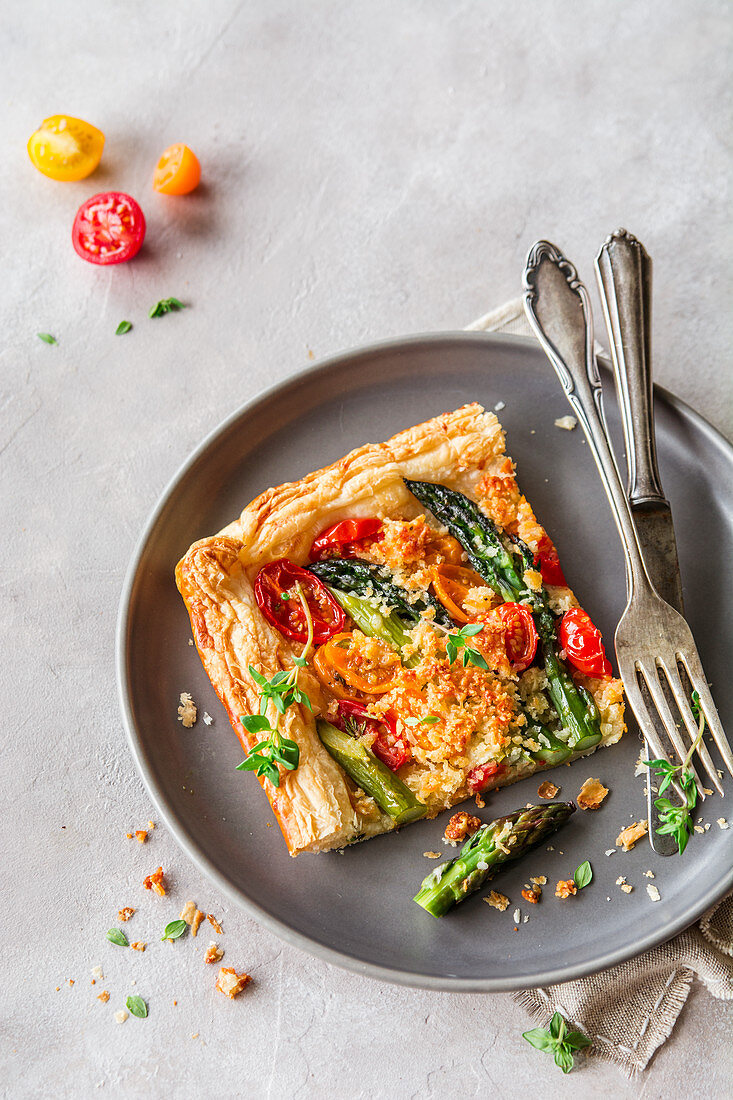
(652, 639)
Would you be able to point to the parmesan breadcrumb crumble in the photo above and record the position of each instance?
(187, 710)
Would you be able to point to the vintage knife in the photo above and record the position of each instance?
(624, 272)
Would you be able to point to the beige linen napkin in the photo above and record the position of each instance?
(629, 1010)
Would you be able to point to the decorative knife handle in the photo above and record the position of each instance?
(624, 272)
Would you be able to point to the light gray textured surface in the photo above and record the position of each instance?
(369, 170)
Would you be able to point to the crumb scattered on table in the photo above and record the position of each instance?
(126, 913)
(433, 855)
(653, 892)
(121, 1015)
(539, 880)
(649, 874)
(139, 945)
(722, 823)
(214, 923)
(213, 953)
(230, 983)
(567, 423)
(565, 888)
(141, 835)
(628, 837)
(103, 996)
(532, 894)
(156, 882)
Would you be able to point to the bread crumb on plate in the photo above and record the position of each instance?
(628, 837)
(497, 901)
(230, 983)
(567, 423)
(591, 795)
(187, 710)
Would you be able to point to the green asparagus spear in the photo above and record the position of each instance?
(360, 577)
(389, 792)
(507, 838)
(370, 620)
(481, 539)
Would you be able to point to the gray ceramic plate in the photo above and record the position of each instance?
(355, 908)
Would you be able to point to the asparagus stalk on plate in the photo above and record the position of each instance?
(501, 841)
(389, 792)
(488, 556)
(354, 575)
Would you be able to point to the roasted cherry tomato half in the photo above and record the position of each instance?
(388, 745)
(520, 634)
(66, 148)
(548, 563)
(178, 171)
(108, 228)
(479, 776)
(583, 643)
(373, 671)
(451, 584)
(445, 547)
(278, 600)
(343, 539)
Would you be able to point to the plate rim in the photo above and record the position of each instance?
(179, 831)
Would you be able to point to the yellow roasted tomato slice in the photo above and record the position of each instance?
(65, 148)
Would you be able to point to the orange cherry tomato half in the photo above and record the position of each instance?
(66, 148)
(520, 634)
(479, 776)
(177, 172)
(583, 643)
(451, 584)
(388, 745)
(278, 600)
(373, 673)
(549, 563)
(446, 548)
(109, 228)
(343, 539)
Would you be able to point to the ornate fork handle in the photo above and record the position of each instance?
(558, 309)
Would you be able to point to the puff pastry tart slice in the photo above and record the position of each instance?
(393, 634)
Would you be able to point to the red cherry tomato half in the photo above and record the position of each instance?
(549, 563)
(108, 228)
(583, 644)
(479, 776)
(388, 745)
(520, 634)
(342, 539)
(278, 600)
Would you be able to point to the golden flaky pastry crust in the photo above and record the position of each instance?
(315, 805)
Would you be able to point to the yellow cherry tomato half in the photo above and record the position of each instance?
(177, 172)
(66, 148)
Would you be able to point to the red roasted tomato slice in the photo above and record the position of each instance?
(583, 644)
(277, 599)
(108, 228)
(388, 745)
(342, 540)
(520, 634)
(479, 776)
(549, 563)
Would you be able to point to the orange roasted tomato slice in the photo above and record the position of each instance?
(451, 584)
(66, 148)
(365, 664)
(444, 548)
(178, 171)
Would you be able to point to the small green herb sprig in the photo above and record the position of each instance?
(676, 819)
(458, 641)
(166, 305)
(583, 875)
(116, 936)
(123, 327)
(174, 930)
(557, 1040)
(280, 691)
(136, 1005)
(47, 338)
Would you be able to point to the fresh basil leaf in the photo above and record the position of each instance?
(116, 936)
(540, 1039)
(123, 327)
(576, 1040)
(563, 1058)
(583, 875)
(556, 1026)
(174, 930)
(136, 1005)
(47, 338)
